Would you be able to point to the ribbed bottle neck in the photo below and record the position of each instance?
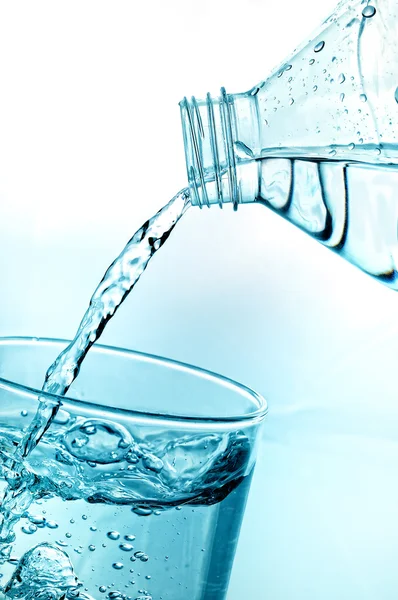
(210, 129)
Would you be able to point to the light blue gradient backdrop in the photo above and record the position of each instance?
(90, 146)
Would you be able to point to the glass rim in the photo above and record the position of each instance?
(256, 415)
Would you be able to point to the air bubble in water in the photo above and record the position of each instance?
(113, 535)
(98, 440)
(37, 568)
(369, 12)
(153, 463)
(320, 46)
(29, 529)
(141, 556)
(126, 547)
(142, 511)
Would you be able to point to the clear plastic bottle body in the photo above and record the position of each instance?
(317, 141)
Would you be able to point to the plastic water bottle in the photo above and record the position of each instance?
(316, 142)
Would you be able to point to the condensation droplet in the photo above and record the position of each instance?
(314, 89)
(341, 78)
(113, 535)
(363, 98)
(342, 96)
(377, 151)
(369, 12)
(351, 146)
(291, 101)
(102, 589)
(91, 547)
(312, 61)
(52, 524)
(288, 67)
(320, 46)
(24, 413)
(129, 537)
(118, 565)
(396, 95)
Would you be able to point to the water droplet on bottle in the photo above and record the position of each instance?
(363, 98)
(102, 588)
(396, 95)
(291, 101)
(147, 577)
(377, 151)
(351, 146)
(288, 67)
(369, 12)
(91, 547)
(244, 152)
(360, 140)
(126, 547)
(320, 46)
(314, 89)
(118, 566)
(342, 96)
(68, 535)
(129, 538)
(332, 152)
(24, 413)
(93, 528)
(113, 535)
(312, 61)
(52, 524)
(341, 78)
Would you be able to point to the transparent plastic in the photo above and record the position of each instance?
(316, 141)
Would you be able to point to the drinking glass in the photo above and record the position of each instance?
(138, 487)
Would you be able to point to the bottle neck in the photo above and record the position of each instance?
(220, 135)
